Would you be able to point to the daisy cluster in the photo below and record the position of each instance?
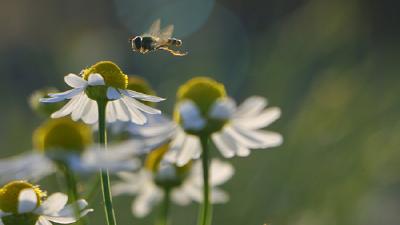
(155, 158)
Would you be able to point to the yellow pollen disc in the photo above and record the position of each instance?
(112, 74)
(203, 91)
(154, 158)
(9, 194)
(62, 134)
(136, 83)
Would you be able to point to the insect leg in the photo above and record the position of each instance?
(173, 52)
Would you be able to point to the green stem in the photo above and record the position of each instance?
(72, 191)
(206, 208)
(105, 177)
(164, 210)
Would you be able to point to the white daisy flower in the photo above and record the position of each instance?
(69, 143)
(22, 203)
(204, 109)
(103, 81)
(149, 187)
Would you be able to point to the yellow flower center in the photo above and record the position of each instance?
(152, 163)
(112, 75)
(62, 134)
(10, 192)
(203, 92)
(44, 109)
(138, 84)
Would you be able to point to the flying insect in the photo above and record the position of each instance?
(156, 39)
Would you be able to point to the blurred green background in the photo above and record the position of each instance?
(332, 66)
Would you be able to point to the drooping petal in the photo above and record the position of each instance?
(220, 172)
(188, 150)
(113, 94)
(141, 96)
(53, 204)
(75, 81)
(27, 201)
(66, 94)
(67, 108)
(262, 120)
(123, 113)
(252, 106)
(136, 116)
(90, 114)
(180, 197)
(30, 166)
(96, 79)
(67, 214)
(223, 147)
(81, 104)
(266, 139)
(141, 106)
(191, 116)
(223, 109)
(146, 200)
(43, 221)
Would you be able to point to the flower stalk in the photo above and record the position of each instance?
(104, 175)
(164, 210)
(206, 208)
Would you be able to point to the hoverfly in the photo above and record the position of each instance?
(156, 39)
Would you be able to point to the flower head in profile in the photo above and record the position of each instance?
(184, 183)
(103, 82)
(63, 142)
(44, 109)
(22, 203)
(203, 108)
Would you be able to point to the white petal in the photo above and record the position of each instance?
(191, 116)
(43, 221)
(251, 106)
(27, 200)
(96, 79)
(122, 111)
(145, 202)
(266, 139)
(77, 113)
(90, 114)
(262, 120)
(180, 197)
(111, 114)
(113, 94)
(67, 108)
(175, 146)
(54, 203)
(141, 96)
(225, 150)
(220, 172)
(223, 109)
(188, 150)
(136, 116)
(75, 81)
(218, 196)
(141, 106)
(31, 166)
(67, 94)
(67, 214)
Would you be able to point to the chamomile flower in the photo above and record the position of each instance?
(22, 203)
(203, 108)
(103, 82)
(64, 142)
(184, 183)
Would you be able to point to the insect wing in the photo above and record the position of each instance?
(154, 29)
(166, 33)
